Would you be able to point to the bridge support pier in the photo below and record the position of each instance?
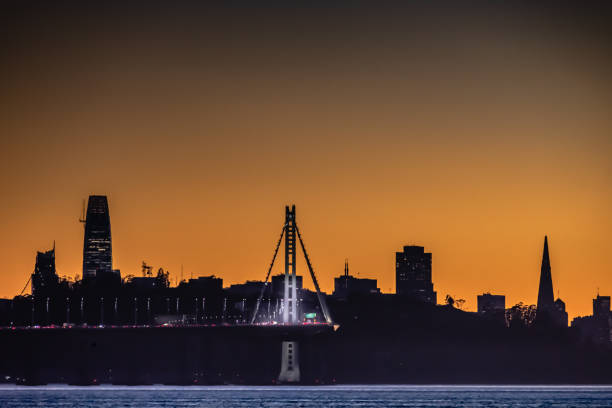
(290, 363)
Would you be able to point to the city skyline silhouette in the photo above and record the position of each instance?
(98, 261)
(471, 131)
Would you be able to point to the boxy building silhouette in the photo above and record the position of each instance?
(413, 274)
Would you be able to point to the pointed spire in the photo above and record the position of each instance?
(545, 257)
(545, 293)
(346, 269)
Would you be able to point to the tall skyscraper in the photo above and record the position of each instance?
(601, 307)
(413, 274)
(546, 299)
(97, 248)
(549, 310)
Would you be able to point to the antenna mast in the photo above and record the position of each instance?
(83, 217)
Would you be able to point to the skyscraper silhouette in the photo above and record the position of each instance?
(97, 247)
(546, 299)
(44, 278)
(413, 274)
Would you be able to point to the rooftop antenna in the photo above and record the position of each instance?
(83, 217)
(346, 273)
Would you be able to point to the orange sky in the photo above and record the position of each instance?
(470, 132)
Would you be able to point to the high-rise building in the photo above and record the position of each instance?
(560, 315)
(413, 274)
(598, 327)
(488, 303)
(44, 277)
(601, 307)
(548, 309)
(249, 289)
(206, 284)
(97, 247)
(346, 285)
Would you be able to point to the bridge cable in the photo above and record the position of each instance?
(265, 285)
(26, 285)
(314, 280)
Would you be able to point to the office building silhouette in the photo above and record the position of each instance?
(44, 278)
(97, 246)
(413, 274)
(346, 285)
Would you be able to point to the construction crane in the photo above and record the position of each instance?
(147, 270)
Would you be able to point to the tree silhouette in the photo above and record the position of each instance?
(520, 315)
(452, 302)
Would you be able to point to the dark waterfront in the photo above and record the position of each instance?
(334, 396)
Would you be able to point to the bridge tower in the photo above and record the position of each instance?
(290, 313)
(290, 365)
(291, 233)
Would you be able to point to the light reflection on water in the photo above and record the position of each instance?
(306, 396)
